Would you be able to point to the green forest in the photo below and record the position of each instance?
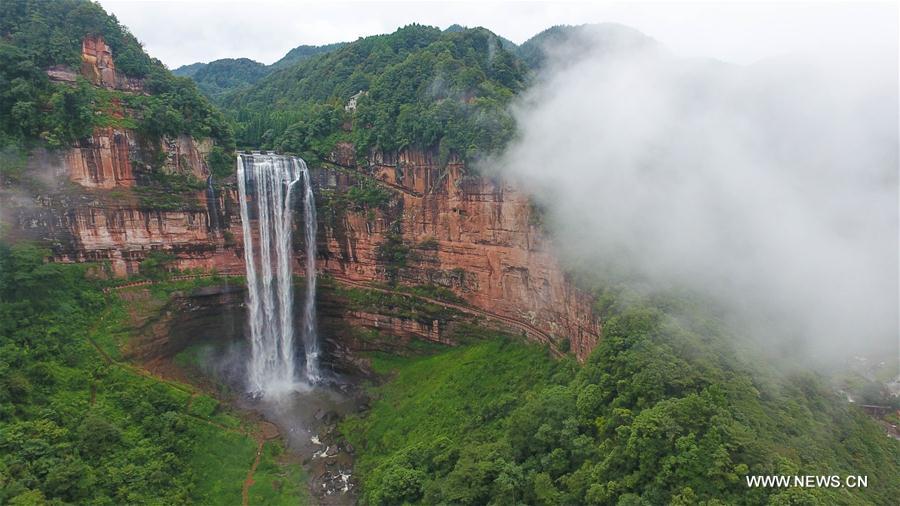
(79, 425)
(40, 34)
(671, 407)
(421, 88)
(665, 411)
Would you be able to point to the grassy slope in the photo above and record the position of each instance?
(225, 447)
(461, 396)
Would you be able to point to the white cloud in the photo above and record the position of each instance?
(771, 188)
(188, 31)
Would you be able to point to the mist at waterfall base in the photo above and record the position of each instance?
(286, 384)
(770, 189)
(266, 186)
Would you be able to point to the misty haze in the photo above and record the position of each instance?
(494, 253)
(771, 188)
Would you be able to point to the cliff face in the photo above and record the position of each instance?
(431, 224)
(437, 228)
(114, 225)
(469, 234)
(103, 160)
(98, 67)
(99, 201)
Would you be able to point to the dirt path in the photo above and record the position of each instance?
(248, 482)
(398, 187)
(265, 432)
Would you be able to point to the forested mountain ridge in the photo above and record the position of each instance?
(602, 37)
(221, 76)
(226, 75)
(304, 52)
(417, 87)
(456, 84)
(663, 408)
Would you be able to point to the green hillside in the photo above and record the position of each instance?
(227, 75)
(222, 76)
(421, 88)
(603, 37)
(304, 52)
(38, 34)
(665, 411)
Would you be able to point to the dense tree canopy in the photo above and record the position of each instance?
(38, 34)
(59, 441)
(222, 76)
(420, 88)
(665, 411)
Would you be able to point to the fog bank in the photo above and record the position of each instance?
(771, 188)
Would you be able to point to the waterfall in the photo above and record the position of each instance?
(214, 225)
(268, 180)
(310, 333)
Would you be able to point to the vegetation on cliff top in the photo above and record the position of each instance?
(663, 412)
(39, 34)
(418, 87)
(421, 87)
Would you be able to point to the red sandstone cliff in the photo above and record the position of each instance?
(98, 67)
(112, 213)
(467, 233)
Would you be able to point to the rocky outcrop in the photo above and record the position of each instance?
(125, 236)
(186, 155)
(92, 203)
(105, 198)
(98, 67)
(164, 328)
(102, 160)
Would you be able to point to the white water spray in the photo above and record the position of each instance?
(270, 179)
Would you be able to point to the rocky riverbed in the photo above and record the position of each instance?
(307, 419)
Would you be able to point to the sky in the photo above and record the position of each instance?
(183, 32)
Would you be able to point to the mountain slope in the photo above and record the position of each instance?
(606, 37)
(665, 411)
(189, 70)
(417, 87)
(304, 52)
(79, 95)
(219, 77)
(222, 76)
